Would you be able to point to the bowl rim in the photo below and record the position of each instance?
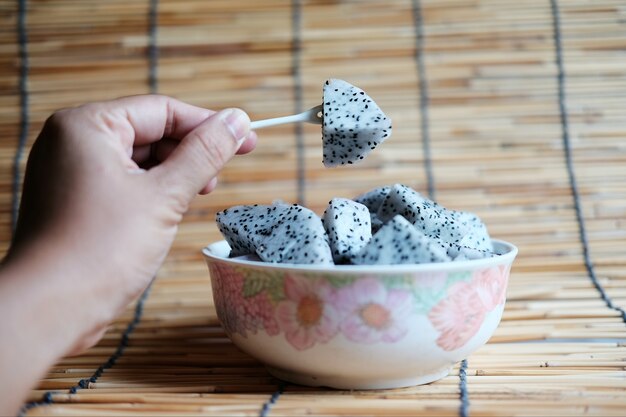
(508, 253)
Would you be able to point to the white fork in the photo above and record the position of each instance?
(313, 115)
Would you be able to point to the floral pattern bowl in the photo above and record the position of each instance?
(359, 327)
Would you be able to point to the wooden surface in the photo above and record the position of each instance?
(472, 87)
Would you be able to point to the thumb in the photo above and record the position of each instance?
(203, 152)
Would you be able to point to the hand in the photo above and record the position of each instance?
(105, 188)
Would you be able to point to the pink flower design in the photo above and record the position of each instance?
(490, 285)
(372, 313)
(458, 316)
(307, 316)
(224, 280)
(237, 313)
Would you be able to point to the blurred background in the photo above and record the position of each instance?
(490, 102)
(471, 87)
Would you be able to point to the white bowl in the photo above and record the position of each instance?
(359, 327)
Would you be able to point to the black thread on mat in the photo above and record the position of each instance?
(153, 50)
(48, 397)
(463, 394)
(556, 22)
(22, 39)
(296, 72)
(267, 406)
(418, 23)
(296, 28)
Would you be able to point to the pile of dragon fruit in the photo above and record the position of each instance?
(386, 226)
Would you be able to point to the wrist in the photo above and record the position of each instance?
(43, 295)
(32, 328)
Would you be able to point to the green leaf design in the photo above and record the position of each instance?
(252, 287)
(397, 281)
(260, 281)
(390, 282)
(455, 277)
(425, 299)
(340, 281)
(276, 289)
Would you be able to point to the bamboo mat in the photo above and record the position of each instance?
(514, 110)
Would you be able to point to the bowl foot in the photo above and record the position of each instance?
(344, 382)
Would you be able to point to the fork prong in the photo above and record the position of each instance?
(317, 114)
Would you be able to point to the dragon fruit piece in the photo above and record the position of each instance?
(476, 236)
(353, 124)
(429, 217)
(374, 198)
(276, 233)
(239, 224)
(298, 238)
(399, 242)
(376, 222)
(347, 224)
(463, 253)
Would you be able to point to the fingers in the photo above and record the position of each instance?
(150, 155)
(210, 186)
(159, 151)
(203, 152)
(129, 122)
(207, 139)
(154, 117)
(249, 144)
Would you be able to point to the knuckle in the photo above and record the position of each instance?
(170, 119)
(55, 128)
(179, 204)
(58, 119)
(173, 201)
(110, 122)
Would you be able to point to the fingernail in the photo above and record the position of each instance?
(237, 122)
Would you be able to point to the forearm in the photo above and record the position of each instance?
(93, 228)
(37, 327)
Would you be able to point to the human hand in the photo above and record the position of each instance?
(105, 188)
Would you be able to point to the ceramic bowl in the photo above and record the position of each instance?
(359, 327)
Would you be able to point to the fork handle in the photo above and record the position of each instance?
(260, 124)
